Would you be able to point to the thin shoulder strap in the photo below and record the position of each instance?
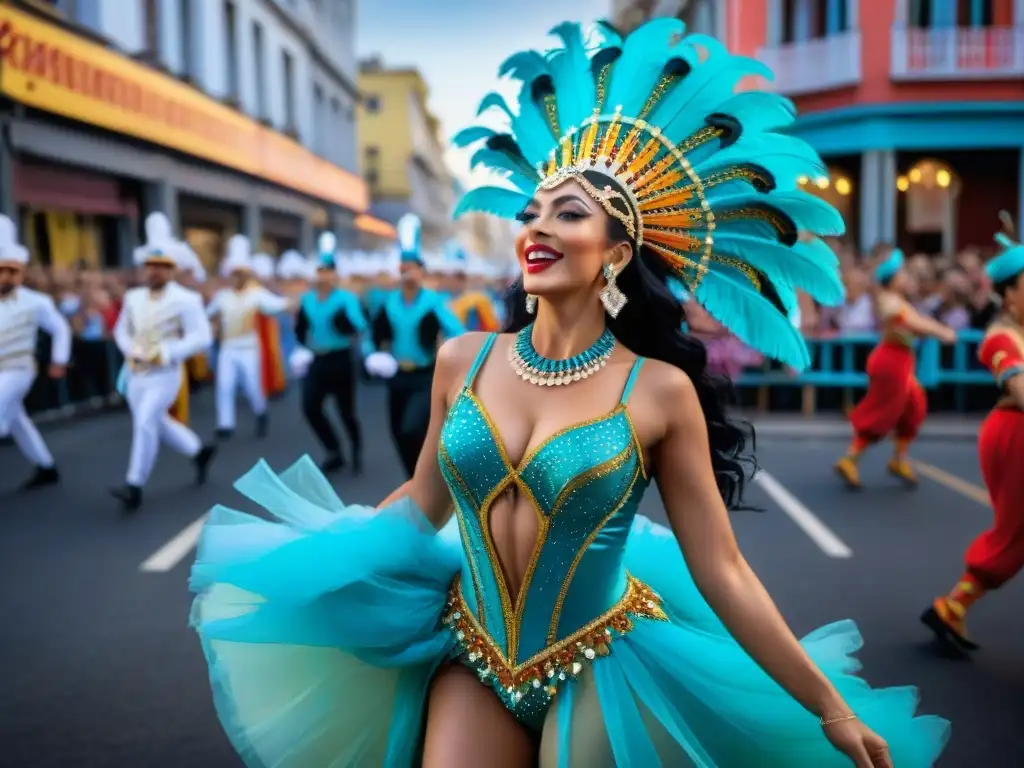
(628, 389)
(485, 349)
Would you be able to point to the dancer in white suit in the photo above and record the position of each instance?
(161, 325)
(22, 313)
(238, 362)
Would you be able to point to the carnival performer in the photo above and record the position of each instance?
(573, 632)
(997, 555)
(191, 275)
(330, 324)
(471, 305)
(22, 313)
(273, 376)
(295, 273)
(161, 326)
(407, 328)
(895, 403)
(240, 360)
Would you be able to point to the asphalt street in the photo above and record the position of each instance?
(100, 669)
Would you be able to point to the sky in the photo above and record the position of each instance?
(458, 46)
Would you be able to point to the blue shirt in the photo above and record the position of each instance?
(405, 318)
(326, 330)
(375, 298)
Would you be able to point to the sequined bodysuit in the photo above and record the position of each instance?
(584, 483)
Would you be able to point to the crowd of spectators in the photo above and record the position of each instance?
(953, 289)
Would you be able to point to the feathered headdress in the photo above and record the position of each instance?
(409, 232)
(11, 251)
(326, 246)
(160, 246)
(1010, 262)
(892, 264)
(697, 172)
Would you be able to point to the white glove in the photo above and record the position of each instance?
(381, 364)
(299, 361)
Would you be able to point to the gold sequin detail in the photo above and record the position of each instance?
(560, 661)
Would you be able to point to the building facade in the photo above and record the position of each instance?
(228, 115)
(401, 154)
(917, 106)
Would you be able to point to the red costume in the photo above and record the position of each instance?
(997, 555)
(272, 373)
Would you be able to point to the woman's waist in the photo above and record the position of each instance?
(523, 653)
(898, 341)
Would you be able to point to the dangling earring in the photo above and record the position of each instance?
(531, 303)
(612, 298)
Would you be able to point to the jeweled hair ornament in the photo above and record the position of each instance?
(696, 172)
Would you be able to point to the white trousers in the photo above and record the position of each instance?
(238, 367)
(14, 421)
(150, 396)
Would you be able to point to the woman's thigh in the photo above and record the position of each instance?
(468, 727)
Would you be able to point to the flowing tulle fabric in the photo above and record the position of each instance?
(322, 631)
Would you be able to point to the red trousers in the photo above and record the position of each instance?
(997, 555)
(895, 403)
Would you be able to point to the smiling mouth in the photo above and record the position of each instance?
(540, 254)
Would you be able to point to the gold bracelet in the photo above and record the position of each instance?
(833, 720)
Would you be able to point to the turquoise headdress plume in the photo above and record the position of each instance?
(1010, 261)
(326, 247)
(697, 173)
(893, 263)
(409, 233)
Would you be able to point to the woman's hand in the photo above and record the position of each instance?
(859, 743)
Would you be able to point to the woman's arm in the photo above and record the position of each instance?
(701, 524)
(926, 326)
(427, 488)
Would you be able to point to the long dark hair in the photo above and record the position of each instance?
(650, 325)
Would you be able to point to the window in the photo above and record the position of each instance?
(337, 153)
(371, 172)
(920, 13)
(151, 28)
(287, 71)
(319, 119)
(971, 13)
(373, 104)
(261, 80)
(231, 48)
(187, 61)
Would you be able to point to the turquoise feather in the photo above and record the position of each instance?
(531, 128)
(525, 66)
(492, 101)
(785, 158)
(471, 135)
(515, 171)
(643, 58)
(497, 201)
(759, 111)
(811, 266)
(731, 300)
(574, 83)
(808, 213)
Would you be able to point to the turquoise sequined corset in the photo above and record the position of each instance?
(585, 483)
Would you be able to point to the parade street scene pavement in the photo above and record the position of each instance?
(100, 667)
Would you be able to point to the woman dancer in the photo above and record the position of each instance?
(997, 555)
(895, 402)
(548, 620)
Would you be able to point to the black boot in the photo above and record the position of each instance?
(42, 477)
(333, 463)
(202, 462)
(262, 425)
(130, 497)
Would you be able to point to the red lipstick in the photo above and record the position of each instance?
(539, 257)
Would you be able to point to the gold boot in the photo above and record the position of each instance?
(846, 468)
(899, 467)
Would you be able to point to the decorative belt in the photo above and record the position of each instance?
(559, 661)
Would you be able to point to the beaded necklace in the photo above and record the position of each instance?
(530, 366)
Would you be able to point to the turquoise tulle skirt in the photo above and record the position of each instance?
(322, 631)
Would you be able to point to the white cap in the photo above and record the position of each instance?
(292, 266)
(238, 256)
(160, 246)
(327, 243)
(263, 266)
(11, 251)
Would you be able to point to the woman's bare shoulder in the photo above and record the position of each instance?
(456, 355)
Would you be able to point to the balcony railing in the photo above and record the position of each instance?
(964, 53)
(822, 64)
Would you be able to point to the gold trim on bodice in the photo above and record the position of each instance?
(559, 661)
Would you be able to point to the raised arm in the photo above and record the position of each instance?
(701, 524)
(893, 309)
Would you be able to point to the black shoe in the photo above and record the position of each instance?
(130, 497)
(333, 463)
(225, 434)
(42, 477)
(262, 425)
(202, 462)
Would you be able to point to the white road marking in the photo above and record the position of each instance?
(954, 483)
(807, 521)
(174, 551)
